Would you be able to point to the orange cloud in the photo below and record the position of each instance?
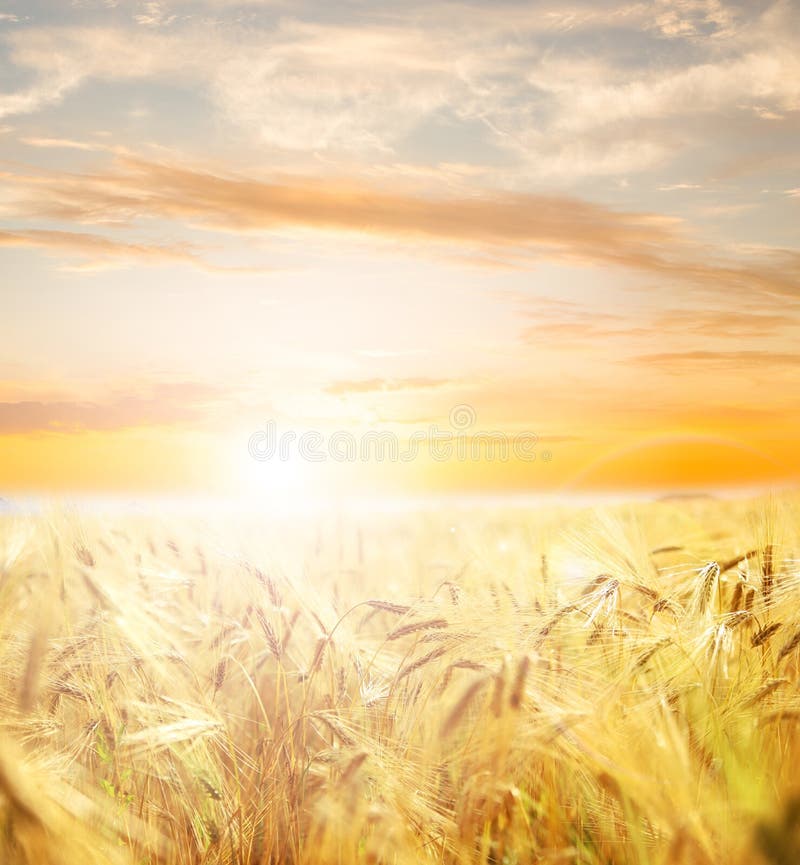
(556, 226)
(100, 251)
(165, 404)
(724, 322)
(737, 359)
(557, 321)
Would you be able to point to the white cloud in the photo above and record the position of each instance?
(60, 143)
(47, 91)
(588, 101)
(153, 14)
(362, 88)
(689, 18)
(64, 58)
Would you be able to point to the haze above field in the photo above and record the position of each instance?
(578, 219)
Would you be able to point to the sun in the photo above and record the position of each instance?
(280, 482)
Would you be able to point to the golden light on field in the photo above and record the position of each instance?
(457, 685)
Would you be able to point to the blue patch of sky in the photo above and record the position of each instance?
(13, 78)
(133, 111)
(625, 48)
(445, 137)
(47, 12)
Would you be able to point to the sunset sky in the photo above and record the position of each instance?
(580, 219)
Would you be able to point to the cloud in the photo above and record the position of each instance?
(47, 91)
(565, 334)
(566, 320)
(671, 187)
(99, 251)
(494, 73)
(746, 82)
(715, 211)
(744, 360)
(154, 14)
(164, 405)
(61, 143)
(528, 227)
(693, 18)
(724, 323)
(136, 188)
(63, 58)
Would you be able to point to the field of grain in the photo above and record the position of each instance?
(474, 685)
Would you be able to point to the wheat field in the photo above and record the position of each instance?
(557, 684)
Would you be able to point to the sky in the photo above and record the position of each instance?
(574, 224)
